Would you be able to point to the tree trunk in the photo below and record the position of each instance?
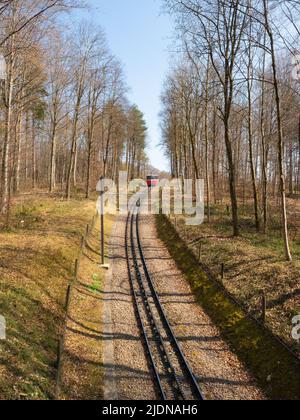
(73, 150)
(264, 150)
(33, 154)
(250, 138)
(232, 182)
(5, 179)
(207, 144)
(18, 154)
(52, 184)
(280, 136)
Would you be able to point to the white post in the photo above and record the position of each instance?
(3, 74)
(102, 221)
(101, 190)
(2, 67)
(2, 328)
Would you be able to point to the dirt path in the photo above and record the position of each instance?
(219, 371)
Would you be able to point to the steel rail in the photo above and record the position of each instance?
(139, 317)
(173, 380)
(183, 361)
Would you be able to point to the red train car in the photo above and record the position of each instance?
(152, 181)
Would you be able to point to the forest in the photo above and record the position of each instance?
(231, 105)
(133, 306)
(65, 115)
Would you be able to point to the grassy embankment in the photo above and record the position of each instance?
(37, 257)
(82, 368)
(254, 263)
(275, 369)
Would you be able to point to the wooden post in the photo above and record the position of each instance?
(60, 349)
(82, 246)
(160, 202)
(222, 271)
(77, 264)
(59, 352)
(68, 297)
(200, 251)
(264, 308)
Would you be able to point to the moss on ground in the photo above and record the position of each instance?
(254, 263)
(275, 369)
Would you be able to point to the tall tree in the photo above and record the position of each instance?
(269, 31)
(216, 28)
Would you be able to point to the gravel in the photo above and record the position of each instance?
(220, 373)
(133, 379)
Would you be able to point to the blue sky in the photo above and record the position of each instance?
(139, 35)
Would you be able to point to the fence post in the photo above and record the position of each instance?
(222, 271)
(59, 363)
(59, 351)
(264, 308)
(60, 346)
(200, 251)
(82, 243)
(69, 290)
(77, 264)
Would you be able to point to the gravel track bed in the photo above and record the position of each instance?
(164, 355)
(220, 373)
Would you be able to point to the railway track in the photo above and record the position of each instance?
(173, 376)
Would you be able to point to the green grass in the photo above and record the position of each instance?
(28, 354)
(272, 241)
(37, 259)
(82, 370)
(275, 369)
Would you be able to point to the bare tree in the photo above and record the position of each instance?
(63, 103)
(32, 11)
(247, 98)
(280, 129)
(216, 28)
